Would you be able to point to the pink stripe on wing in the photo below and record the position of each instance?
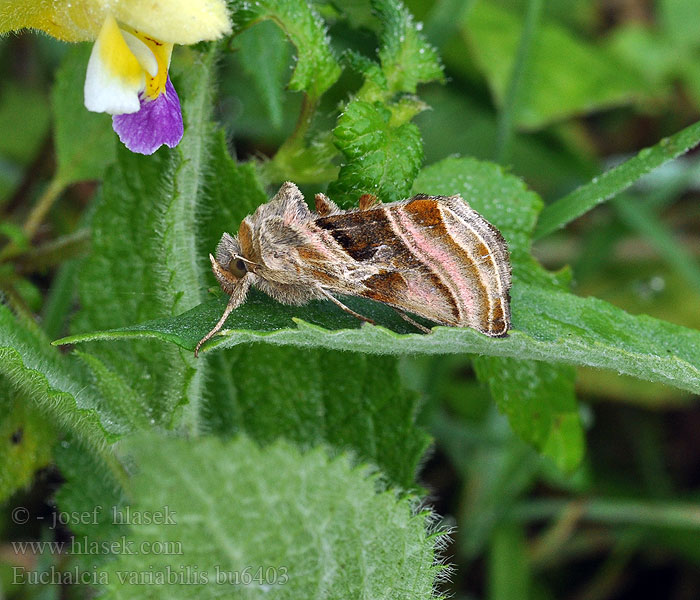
(438, 258)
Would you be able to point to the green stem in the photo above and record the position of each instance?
(504, 135)
(55, 252)
(555, 536)
(36, 216)
(46, 201)
(296, 141)
(612, 510)
(508, 567)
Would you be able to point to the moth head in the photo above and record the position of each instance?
(228, 266)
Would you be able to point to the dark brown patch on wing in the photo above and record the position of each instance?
(361, 234)
(498, 323)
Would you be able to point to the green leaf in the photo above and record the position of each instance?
(548, 323)
(317, 68)
(346, 400)
(53, 383)
(612, 182)
(119, 398)
(566, 76)
(85, 142)
(146, 261)
(407, 59)
(650, 53)
(26, 438)
(380, 159)
(539, 400)
(302, 524)
(264, 55)
(89, 489)
(125, 278)
(233, 192)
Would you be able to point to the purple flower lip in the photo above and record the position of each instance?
(158, 122)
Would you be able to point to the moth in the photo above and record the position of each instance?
(431, 256)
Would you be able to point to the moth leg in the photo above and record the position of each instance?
(347, 309)
(237, 297)
(413, 322)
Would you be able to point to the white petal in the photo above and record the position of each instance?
(114, 76)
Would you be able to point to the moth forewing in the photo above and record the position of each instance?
(489, 252)
(432, 256)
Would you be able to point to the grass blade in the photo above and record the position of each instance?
(612, 182)
(510, 106)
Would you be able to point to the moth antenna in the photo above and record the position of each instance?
(244, 259)
(347, 309)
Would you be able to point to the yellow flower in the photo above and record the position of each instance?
(127, 75)
(171, 21)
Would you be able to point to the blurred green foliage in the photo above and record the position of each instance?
(291, 443)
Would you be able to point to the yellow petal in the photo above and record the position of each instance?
(162, 51)
(175, 21)
(171, 21)
(69, 20)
